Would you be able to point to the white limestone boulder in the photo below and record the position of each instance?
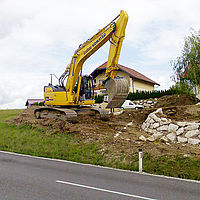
(163, 128)
(171, 136)
(182, 139)
(193, 141)
(192, 133)
(173, 128)
(180, 131)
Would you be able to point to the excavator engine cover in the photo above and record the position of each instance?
(117, 89)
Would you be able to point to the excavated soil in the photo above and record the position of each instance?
(175, 100)
(118, 135)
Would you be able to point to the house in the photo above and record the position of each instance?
(137, 81)
(30, 102)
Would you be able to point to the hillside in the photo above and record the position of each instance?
(112, 143)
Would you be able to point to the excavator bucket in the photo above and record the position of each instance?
(117, 89)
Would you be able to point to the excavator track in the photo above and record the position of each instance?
(61, 113)
(70, 115)
(117, 89)
(98, 113)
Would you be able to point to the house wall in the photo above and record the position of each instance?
(142, 85)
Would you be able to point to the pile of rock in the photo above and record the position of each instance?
(162, 128)
(147, 103)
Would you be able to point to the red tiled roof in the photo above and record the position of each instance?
(134, 74)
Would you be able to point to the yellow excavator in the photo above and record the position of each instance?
(77, 95)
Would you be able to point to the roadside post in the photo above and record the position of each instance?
(140, 160)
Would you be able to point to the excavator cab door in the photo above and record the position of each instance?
(87, 88)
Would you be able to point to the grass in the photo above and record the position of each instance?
(33, 141)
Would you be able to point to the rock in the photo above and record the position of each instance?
(163, 128)
(157, 135)
(116, 135)
(154, 117)
(130, 124)
(149, 130)
(192, 133)
(193, 141)
(156, 125)
(159, 110)
(146, 129)
(143, 138)
(124, 128)
(193, 126)
(151, 126)
(151, 121)
(180, 131)
(151, 138)
(165, 121)
(181, 124)
(182, 139)
(143, 126)
(149, 102)
(164, 139)
(118, 113)
(173, 128)
(148, 124)
(172, 137)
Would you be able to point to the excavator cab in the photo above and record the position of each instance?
(86, 88)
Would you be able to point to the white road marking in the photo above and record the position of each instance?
(104, 190)
(98, 166)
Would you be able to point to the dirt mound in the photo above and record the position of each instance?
(52, 125)
(175, 100)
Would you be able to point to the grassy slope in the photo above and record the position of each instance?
(34, 141)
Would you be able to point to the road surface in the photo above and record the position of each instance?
(31, 178)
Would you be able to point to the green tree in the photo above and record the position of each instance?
(187, 66)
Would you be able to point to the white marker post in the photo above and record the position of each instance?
(140, 160)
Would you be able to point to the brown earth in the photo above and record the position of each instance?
(115, 136)
(175, 100)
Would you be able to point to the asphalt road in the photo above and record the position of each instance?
(31, 178)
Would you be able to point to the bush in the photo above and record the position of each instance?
(156, 94)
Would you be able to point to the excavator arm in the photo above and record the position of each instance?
(114, 32)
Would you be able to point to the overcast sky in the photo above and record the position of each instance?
(39, 37)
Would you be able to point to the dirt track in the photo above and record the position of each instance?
(118, 135)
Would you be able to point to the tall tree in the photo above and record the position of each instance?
(187, 66)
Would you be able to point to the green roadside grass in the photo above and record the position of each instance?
(34, 141)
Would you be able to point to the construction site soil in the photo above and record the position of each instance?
(118, 135)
